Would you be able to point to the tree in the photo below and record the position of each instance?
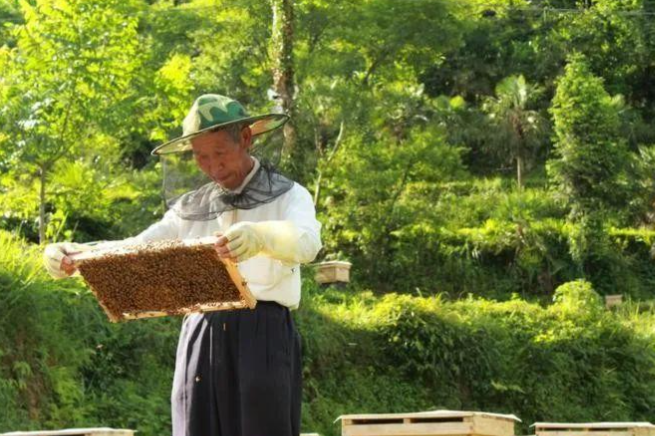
(382, 179)
(617, 39)
(517, 128)
(9, 13)
(591, 152)
(65, 82)
(591, 164)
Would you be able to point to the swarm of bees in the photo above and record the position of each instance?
(163, 278)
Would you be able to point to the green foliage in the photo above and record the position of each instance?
(63, 85)
(408, 117)
(642, 179)
(480, 238)
(365, 209)
(360, 121)
(569, 361)
(622, 31)
(518, 127)
(578, 296)
(591, 150)
(40, 361)
(593, 161)
(64, 365)
(9, 13)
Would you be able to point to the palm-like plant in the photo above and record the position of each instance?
(517, 132)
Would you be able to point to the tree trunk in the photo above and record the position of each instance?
(283, 69)
(519, 171)
(520, 132)
(42, 205)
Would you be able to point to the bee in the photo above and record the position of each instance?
(165, 277)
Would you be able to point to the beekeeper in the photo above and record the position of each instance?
(237, 372)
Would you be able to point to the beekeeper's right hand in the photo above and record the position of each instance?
(57, 261)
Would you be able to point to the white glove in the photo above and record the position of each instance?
(281, 240)
(55, 258)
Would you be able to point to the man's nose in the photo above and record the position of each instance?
(216, 167)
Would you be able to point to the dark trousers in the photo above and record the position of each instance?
(238, 373)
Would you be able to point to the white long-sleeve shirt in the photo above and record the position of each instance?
(267, 278)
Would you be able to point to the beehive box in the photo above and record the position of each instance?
(98, 431)
(594, 429)
(172, 277)
(332, 272)
(613, 301)
(440, 423)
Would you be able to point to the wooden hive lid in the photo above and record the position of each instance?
(333, 264)
(428, 414)
(88, 431)
(603, 425)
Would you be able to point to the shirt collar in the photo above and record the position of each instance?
(249, 176)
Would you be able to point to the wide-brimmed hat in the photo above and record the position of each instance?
(213, 112)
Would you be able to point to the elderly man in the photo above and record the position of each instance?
(237, 372)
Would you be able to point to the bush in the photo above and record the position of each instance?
(476, 237)
(63, 365)
(569, 361)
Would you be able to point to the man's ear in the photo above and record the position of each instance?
(246, 137)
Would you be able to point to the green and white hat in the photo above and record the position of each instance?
(213, 112)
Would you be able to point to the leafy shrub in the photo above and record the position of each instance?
(63, 365)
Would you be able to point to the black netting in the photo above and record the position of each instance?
(210, 199)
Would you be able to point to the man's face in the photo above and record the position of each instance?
(221, 158)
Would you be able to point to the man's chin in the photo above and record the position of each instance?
(225, 185)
